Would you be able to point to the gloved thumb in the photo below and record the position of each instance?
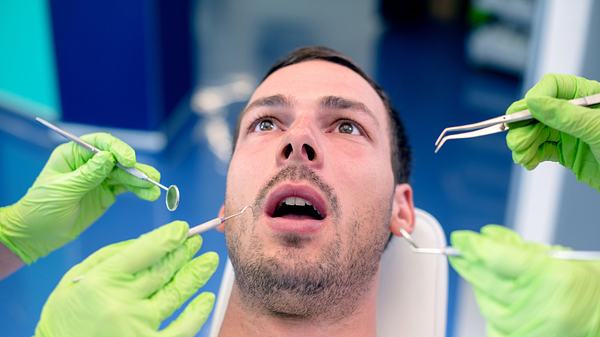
(79, 270)
(89, 175)
(579, 122)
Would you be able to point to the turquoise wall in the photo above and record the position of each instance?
(28, 81)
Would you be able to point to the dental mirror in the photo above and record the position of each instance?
(172, 198)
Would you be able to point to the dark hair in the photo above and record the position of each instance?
(400, 149)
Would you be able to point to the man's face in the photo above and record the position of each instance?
(313, 160)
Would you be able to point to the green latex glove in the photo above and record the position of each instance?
(567, 133)
(522, 291)
(129, 288)
(74, 188)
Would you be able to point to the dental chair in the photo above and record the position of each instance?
(413, 288)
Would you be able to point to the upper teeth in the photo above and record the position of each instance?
(291, 201)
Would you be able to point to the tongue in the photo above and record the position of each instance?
(297, 217)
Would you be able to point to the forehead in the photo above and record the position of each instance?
(308, 81)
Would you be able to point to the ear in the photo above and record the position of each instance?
(221, 227)
(403, 210)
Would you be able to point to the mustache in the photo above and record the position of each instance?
(298, 173)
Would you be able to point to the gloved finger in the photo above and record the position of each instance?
(492, 332)
(547, 152)
(580, 122)
(516, 106)
(564, 87)
(500, 289)
(522, 138)
(107, 142)
(95, 259)
(527, 154)
(149, 194)
(461, 240)
(154, 278)
(192, 318)
(501, 233)
(554, 85)
(508, 237)
(554, 136)
(149, 248)
(92, 173)
(121, 177)
(68, 157)
(122, 181)
(496, 314)
(118, 189)
(521, 318)
(519, 138)
(507, 261)
(184, 284)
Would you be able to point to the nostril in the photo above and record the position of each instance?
(287, 151)
(310, 152)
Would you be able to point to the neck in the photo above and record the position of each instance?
(242, 319)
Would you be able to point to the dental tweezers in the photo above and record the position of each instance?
(500, 124)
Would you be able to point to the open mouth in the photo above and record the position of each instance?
(297, 207)
(296, 202)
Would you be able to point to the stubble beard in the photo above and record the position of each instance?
(288, 284)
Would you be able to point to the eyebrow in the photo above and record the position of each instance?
(341, 103)
(269, 101)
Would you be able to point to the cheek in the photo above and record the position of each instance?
(249, 168)
(360, 168)
(256, 154)
(364, 184)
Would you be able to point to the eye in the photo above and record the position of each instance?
(349, 128)
(265, 125)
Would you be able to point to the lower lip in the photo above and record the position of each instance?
(294, 224)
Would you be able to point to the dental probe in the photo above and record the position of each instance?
(203, 227)
(579, 255)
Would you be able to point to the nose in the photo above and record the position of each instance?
(300, 146)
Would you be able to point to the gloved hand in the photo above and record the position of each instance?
(567, 133)
(129, 288)
(74, 188)
(522, 291)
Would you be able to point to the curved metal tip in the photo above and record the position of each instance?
(406, 236)
(439, 146)
(244, 209)
(441, 136)
(238, 213)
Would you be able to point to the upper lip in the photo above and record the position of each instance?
(278, 195)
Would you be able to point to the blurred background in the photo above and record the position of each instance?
(170, 77)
